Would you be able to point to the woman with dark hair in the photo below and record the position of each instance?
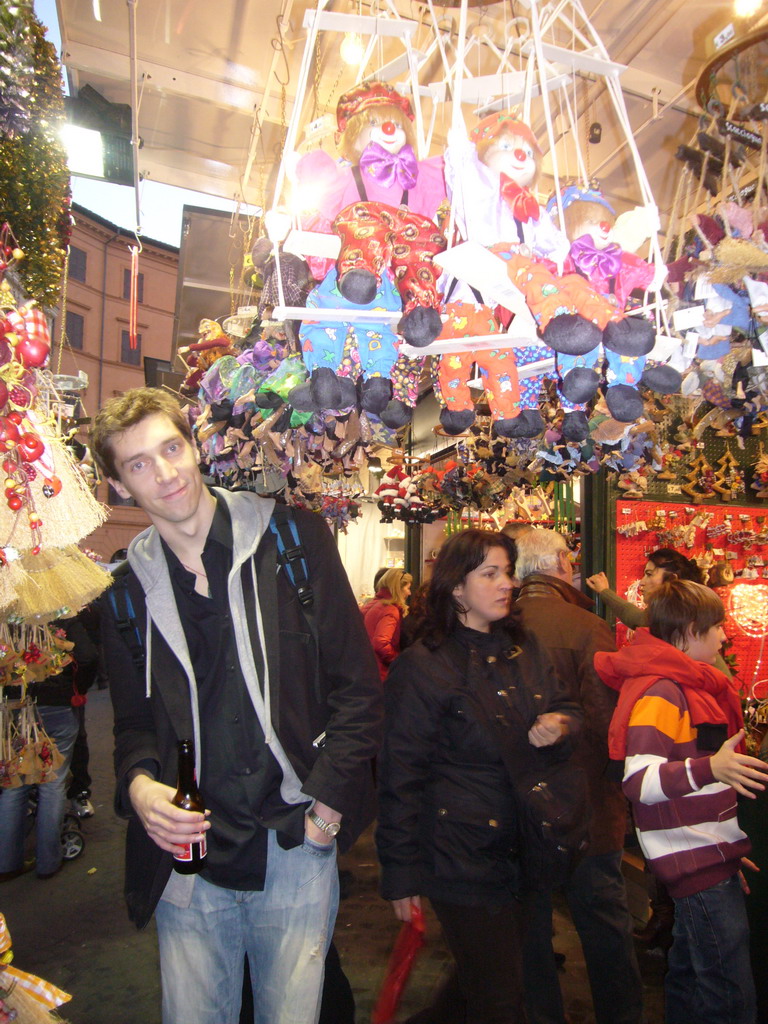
(662, 565)
(413, 623)
(473, 687)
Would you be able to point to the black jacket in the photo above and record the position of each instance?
(344, 701)
(447, 808)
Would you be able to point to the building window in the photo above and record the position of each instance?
(73, 326)
(113, 498)
(131, 356)
(77, 261)
(127, 285)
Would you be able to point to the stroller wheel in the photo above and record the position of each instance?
(72, 843)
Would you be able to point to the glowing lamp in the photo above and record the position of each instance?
(352, 50)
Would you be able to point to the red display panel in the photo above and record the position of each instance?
(735, 535)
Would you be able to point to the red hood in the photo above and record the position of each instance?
(635, 668)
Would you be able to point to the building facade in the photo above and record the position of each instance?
(91, 334)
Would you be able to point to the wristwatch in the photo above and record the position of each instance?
(331, 828)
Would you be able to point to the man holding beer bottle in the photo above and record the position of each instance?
(207, 639)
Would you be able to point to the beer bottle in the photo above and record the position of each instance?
(188, 797)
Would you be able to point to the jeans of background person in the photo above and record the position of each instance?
(61, 725)
(486, 947)
(597, 901)
(709, 977)
(80, 783)
(284, 930)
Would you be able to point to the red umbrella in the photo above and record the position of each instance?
(407, 945)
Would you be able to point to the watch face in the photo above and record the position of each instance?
(332, 828)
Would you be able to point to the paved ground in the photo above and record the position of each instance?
(73, 929)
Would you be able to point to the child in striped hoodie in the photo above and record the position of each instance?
(678, 727)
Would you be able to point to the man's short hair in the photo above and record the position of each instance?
(515, 530)
(538, 551)
(679, 605)
(126, 411)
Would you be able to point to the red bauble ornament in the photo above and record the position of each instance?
(15, 503)
(15, 417)
(9, 433)
(30, 447)
(32, 351)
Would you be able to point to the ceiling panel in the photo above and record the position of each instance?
(217, 81)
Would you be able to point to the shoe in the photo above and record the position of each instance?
(82, 806)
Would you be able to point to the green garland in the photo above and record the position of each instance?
(34, 178)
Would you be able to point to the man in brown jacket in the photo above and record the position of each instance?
(561, 619)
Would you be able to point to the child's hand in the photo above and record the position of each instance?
(747, 863)
(738, 770)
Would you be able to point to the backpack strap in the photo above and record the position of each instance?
(125, 616)
(291, 554)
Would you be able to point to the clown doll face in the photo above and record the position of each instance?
(591, 219)
(513, 156)
(386, 125)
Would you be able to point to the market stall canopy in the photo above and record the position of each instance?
(214, 86)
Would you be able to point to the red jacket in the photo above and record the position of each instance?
(382, 621)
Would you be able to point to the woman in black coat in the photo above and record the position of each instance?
(448, 821)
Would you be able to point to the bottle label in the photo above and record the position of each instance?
(187, 855)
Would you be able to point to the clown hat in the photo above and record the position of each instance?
(500, 123)
(574, 194)
(362, 97)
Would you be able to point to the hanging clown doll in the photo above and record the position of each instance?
(383, 205)
(613, 273)
(490, 176)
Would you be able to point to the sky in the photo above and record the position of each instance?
(161, 205)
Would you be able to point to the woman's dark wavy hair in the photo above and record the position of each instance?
(677, 565)
(459, 556)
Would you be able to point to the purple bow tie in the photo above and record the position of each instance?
(387, 168)
(594, 262)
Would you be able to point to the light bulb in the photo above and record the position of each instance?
(278, 224)
(746, 8)
(352, 50)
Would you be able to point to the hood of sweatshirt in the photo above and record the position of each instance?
(646, 660)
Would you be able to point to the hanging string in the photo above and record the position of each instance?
(133, 302)
(63, 339)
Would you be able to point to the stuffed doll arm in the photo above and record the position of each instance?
(474, 192)
(321, 183)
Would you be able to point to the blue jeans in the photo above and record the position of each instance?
(598, 904)
(61, 725)
(708, 970)
(285, 930)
